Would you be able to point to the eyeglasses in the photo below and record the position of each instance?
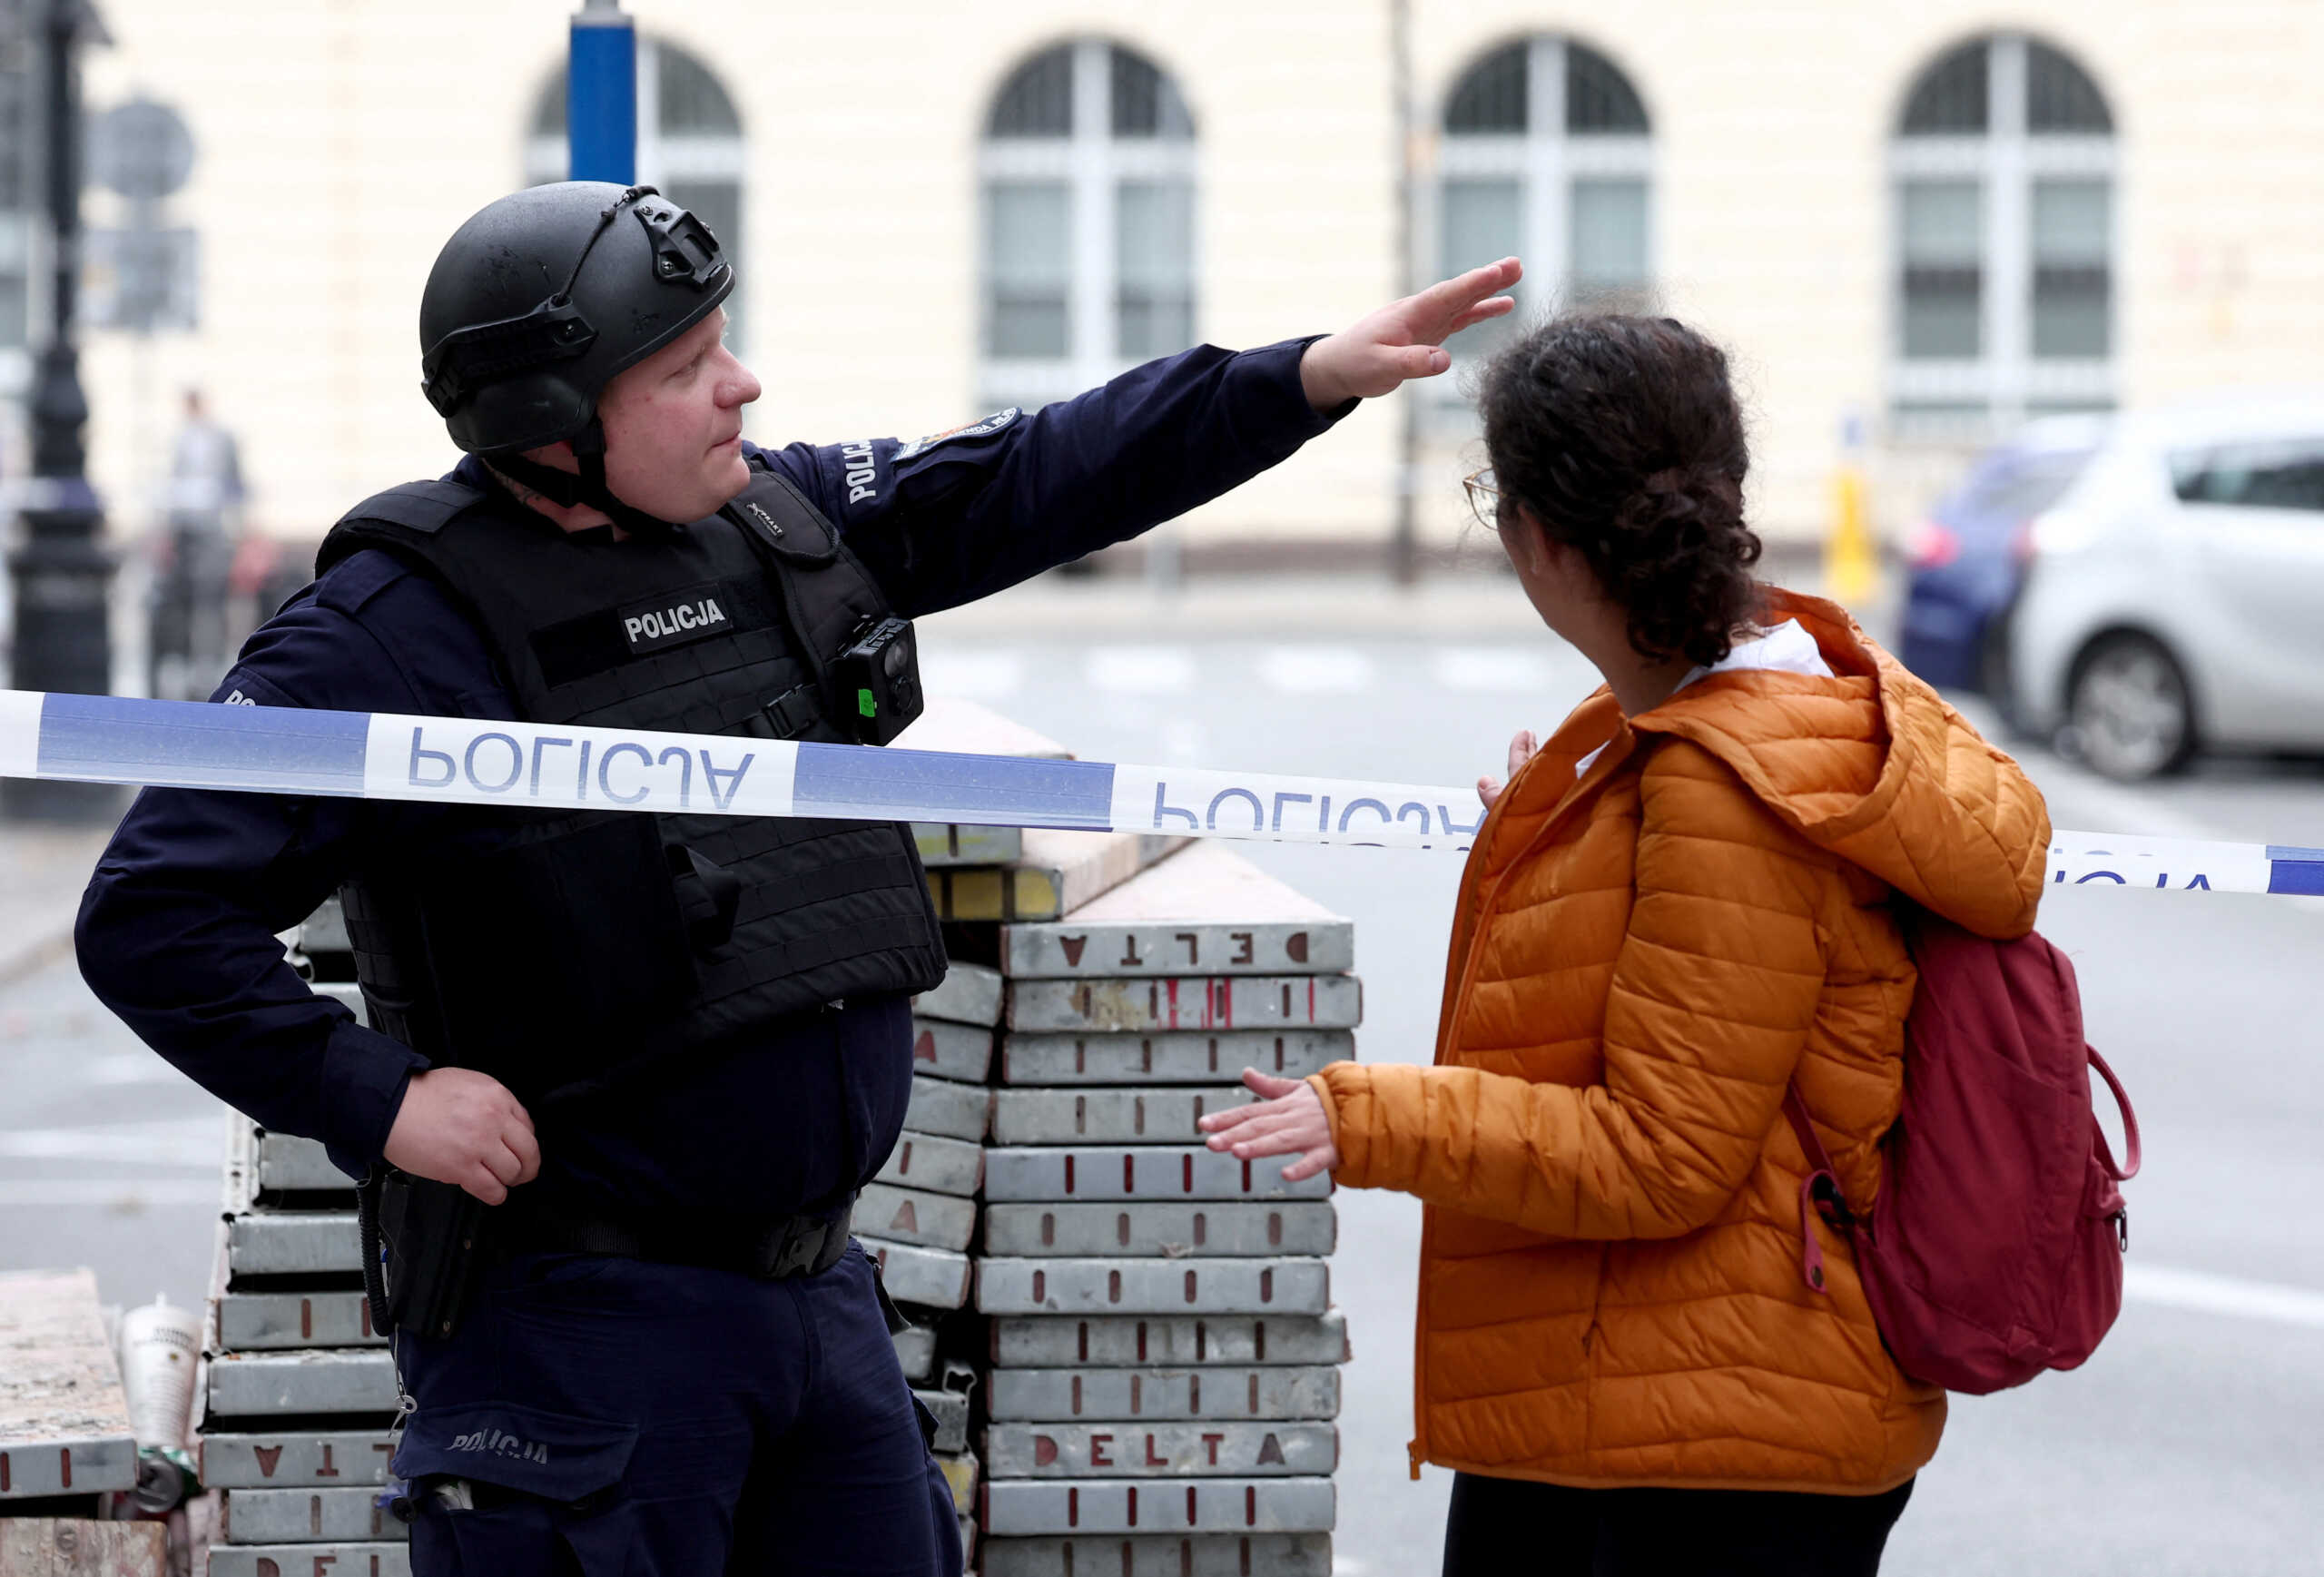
(1484, 497)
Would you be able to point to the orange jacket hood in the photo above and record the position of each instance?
(1874, 766)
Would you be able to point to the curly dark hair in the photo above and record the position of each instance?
(1623, 436)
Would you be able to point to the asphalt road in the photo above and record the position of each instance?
(2188, 1446)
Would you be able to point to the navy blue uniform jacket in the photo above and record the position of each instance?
(177, 930)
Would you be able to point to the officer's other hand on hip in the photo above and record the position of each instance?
(457, 1126)
(1405, 338)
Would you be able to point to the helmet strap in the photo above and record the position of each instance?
(570, 489)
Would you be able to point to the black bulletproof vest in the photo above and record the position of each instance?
(560, 952)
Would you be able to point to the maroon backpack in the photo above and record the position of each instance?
(1994, 1250)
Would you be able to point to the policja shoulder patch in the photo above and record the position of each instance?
(975, 429)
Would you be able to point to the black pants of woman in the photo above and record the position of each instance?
(1506, 1527)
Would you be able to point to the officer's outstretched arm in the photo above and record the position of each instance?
(1404, 340)
(959, 514)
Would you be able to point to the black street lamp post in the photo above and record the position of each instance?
(62, 572)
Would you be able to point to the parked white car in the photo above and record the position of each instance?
(2174, 598)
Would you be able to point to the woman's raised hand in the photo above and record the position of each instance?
(1288, 1117)
(1520, 751)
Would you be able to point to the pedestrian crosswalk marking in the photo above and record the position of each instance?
(167, 1142)
(2201, 1292)
(977, 676)
(1141, 670)
(1314, 670)
(1494, 670)
(996, 673)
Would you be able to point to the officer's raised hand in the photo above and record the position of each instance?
(1405, 338)
(456, 1125)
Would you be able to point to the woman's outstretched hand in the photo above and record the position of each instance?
(1405, 338)
(1520, 751)
(1287, 1117)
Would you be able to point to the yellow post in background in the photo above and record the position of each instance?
(1851, 567)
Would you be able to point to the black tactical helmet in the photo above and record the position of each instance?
(537, 302)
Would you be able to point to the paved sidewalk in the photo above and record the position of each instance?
(43, 869)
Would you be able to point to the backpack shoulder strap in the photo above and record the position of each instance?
(1819, 1192)
(2132, 1154)
(1818, 1159)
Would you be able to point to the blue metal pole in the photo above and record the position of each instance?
(601, 94)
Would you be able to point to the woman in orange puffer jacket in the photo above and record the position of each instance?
(1679, 905)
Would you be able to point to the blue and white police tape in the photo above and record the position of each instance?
(387, 757)
(463, 761)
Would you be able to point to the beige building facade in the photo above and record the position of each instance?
(1917, 223)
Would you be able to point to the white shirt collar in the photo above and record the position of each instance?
(1786, 648)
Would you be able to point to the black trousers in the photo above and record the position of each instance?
(1506, 1527)
(597, 1416)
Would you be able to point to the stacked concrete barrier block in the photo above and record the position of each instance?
(920, 1217)
(299, 1392)
(1162, 1344)
(65, 1427)
(917, 1220)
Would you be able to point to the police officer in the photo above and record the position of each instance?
(652, 1058)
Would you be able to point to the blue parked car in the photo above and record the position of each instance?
(1968, 559)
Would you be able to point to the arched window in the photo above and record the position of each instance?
(1088, 168)
(689, 144)
(2004, 165)
(1547, 155)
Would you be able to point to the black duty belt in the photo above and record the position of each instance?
(766, 1250)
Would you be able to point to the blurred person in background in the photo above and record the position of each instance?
(1678, 907)
(186, 644)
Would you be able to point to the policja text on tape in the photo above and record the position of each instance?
(562, 766)
(467, 761)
